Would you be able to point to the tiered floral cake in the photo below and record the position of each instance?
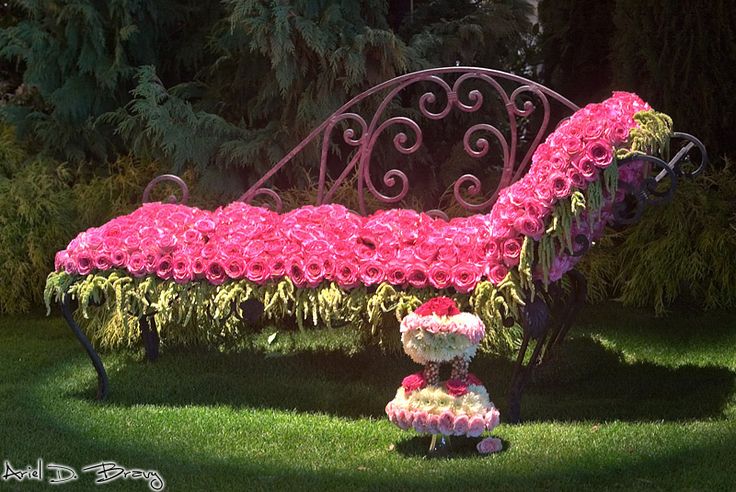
(434, 334)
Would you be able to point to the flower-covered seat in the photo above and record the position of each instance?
(166, 266)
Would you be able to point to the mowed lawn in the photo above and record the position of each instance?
(635, 403)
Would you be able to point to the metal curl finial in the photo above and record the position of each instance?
(171, 198)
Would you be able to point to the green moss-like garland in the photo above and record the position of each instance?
(111, 304)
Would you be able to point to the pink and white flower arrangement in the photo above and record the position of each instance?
(438, 332)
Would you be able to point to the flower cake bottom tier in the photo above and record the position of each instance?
(432, 410)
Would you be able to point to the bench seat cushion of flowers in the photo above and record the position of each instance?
(328, 243)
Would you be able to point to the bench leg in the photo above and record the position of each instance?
(549, 334)
(149, 335)
(102, 381)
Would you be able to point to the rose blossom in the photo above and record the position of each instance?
(413, 382)
(164, 267)
(433, 424)
(441, 306)
(439, 276)
(182, 272)
(314, 271)
(455, 387)
(234, 267)
(137, 264)
(421, 420)
(417, 277)
(119, 258)
(215, 273)
(257, 271)
(600, 152)
(476, 426)
(102, 262)
(446, 421)
(371, 272)
(84, 263)
(511, 251)
(464, 277)
(490, 445)
(346, 274)
(561, 185)
(529, 226)
(460, 426)
(395, 274)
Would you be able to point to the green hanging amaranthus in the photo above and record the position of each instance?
(111, 304)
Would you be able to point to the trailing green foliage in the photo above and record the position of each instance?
(112, 304)
(680, 252)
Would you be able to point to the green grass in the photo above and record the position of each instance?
(636, 403)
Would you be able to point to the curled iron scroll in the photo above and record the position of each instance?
(278, 204)
(171, 198)
(683, 156)
(583, 245)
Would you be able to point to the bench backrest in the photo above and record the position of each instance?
(526, 108)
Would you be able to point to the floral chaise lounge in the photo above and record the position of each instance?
(183, 274)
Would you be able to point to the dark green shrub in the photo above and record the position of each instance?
(680, 56)
(684, 251)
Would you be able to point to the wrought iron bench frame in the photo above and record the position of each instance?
(545, 321)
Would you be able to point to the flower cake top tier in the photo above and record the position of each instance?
(438, 332)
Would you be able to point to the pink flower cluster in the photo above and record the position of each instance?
(466, 324)
(329, 243)
(446, 423)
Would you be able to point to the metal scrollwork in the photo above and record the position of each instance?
(171, 198)
(450, 89)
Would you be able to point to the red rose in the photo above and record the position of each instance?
(414, 382)
(455, 387)
(441, 306)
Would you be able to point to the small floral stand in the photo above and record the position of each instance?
(435, 334)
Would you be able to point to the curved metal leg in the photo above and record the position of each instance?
(102, 381)
(149, 335)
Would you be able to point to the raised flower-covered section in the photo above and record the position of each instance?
(320, 264)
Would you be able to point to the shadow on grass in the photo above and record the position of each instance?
(459, 448)
(587, 382)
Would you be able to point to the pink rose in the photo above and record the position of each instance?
(600, 152)
(413, 382)
(102, 262)
(215, 273)
(371, 272)
(402, 419)
(277, 267)
(346, 274)
(314, 271)
(460, 426)
(561, 185)
(586, 167)
(164, 267)
(439, 276)
(476, 426)
(417, 278)
(455, 387)
(205, 225)
(182, 272)
(421, 421)
(464, 277)
(433, 424)
(296, 272)
(119, 258)
(136, 264)
(395, 274)
(492, 418)
(511, 251)
(198, 266)
(84, 263)
(490, 445)
(257, 271)
(234, 267)
(497, 273)
(445, 423)
(529, 226)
